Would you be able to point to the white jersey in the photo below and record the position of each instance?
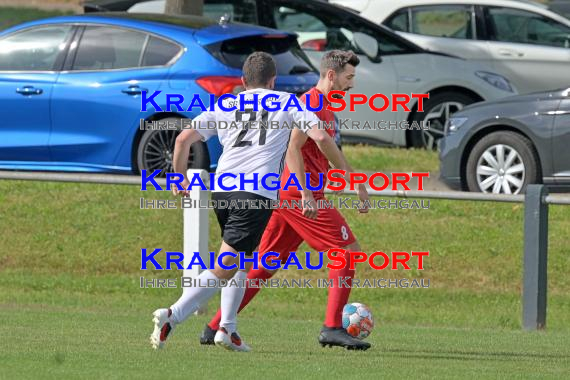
(252, 149)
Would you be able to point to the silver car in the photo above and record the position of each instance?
(523, 41)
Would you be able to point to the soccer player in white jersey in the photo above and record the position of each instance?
(252, 152)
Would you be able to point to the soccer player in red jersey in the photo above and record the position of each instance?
(288, 228)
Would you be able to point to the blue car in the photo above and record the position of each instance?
(71, 87)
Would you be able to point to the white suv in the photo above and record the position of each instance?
(523, 41)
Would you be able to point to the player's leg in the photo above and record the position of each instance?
(338, 295)
(244, 229)
(330, 230)
(226, 335)
(278, 237)
(232, 296)
(240, 232)
(332, 333)
(194, 297)
(166, 320)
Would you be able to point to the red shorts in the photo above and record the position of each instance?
(287, 228)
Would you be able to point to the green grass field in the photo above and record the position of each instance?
(111, 342)
(71, 305)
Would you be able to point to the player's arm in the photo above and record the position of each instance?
(182, 149)
(296, 165)
(329, 148)
(180, 157)
(319, 135)
(325, 143)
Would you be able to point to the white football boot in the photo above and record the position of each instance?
(163, 326)
(230, 342)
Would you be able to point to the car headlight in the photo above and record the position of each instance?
(454, 123)
(495, 80)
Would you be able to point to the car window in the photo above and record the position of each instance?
(107, 48)
(292, 21)
(35, 49)
(513, 25)
(322, 30)
(454, 21)
(289, 57)
(239, 10)
(398, 21)
(159, 52)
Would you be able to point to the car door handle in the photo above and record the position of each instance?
(510, 53)
(553, 113)
(409, 79)
(29, 90)
(133, 90)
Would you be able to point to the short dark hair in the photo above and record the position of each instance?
(258, 69)
(337, 59)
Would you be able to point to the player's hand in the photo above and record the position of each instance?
(362, 193)
(184, 193)
(309, 205)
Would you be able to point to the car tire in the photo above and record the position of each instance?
(156, 151)
(436, 110)
(518, 167)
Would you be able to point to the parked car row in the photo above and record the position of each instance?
(52, 70)
(526, 44)
(500, 146)
(391, 66)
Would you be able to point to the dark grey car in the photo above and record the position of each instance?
(502, 146)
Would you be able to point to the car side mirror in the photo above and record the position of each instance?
(367, 45)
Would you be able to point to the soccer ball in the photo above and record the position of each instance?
(357, 320)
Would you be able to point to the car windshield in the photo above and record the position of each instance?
(322, 26)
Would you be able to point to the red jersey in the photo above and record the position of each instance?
(315, 160)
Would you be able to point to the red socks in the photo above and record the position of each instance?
(338, 295)
(253, 274)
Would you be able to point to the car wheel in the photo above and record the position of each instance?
(502, 163)
(437, 110)
(156, 151)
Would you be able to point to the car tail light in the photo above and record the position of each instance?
(219, 85)
(317, 45)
